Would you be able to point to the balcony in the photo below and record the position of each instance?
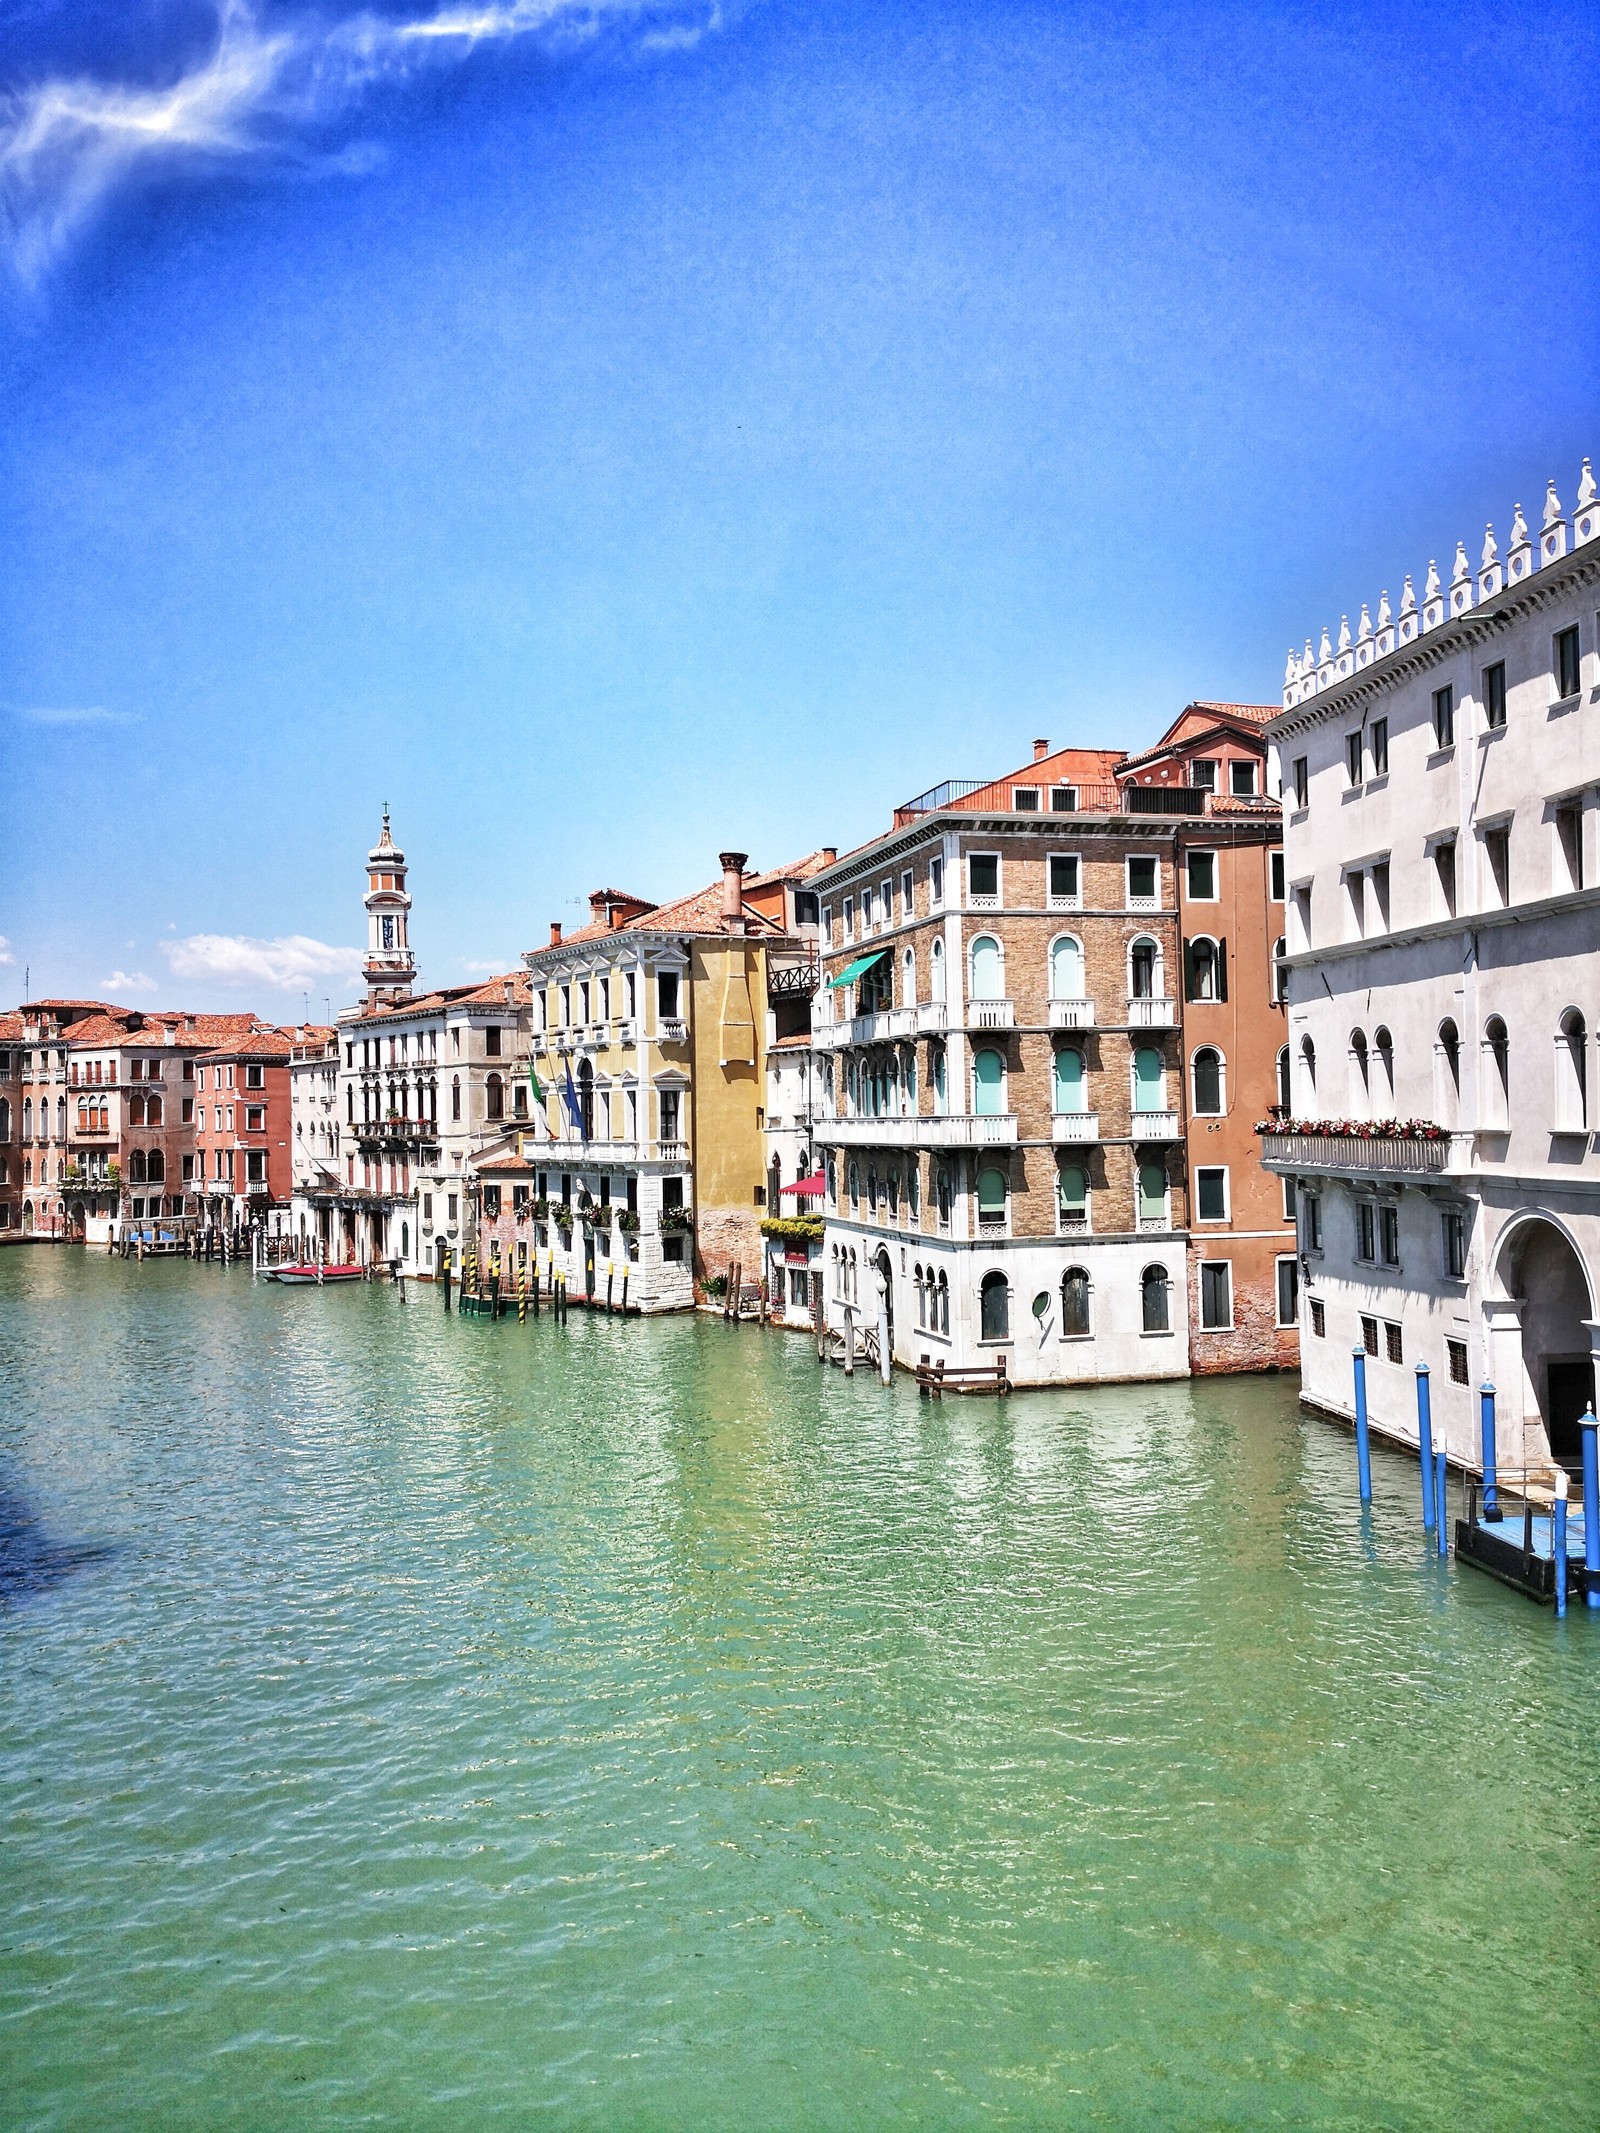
(1150, 1014)
(991, 1014)
(396, 1132)
(1068, 1126)
(1154, 1126)
(1367, 1152)
(672, 1029)
(1072, 1014)
(956, 1129)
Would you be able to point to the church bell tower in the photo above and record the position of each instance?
(390, 968)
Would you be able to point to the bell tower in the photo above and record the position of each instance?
(390, 968)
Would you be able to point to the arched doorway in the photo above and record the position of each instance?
(1539, 1313)
(886, 1276)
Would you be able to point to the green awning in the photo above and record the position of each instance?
(852, 971)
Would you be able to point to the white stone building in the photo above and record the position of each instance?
(1441, 780)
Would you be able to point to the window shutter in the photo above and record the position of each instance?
(1222, 970)
(1188, 970)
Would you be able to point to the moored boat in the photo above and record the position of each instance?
(301, 1276)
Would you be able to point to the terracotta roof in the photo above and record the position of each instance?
(799, 1042)
(1258, 714)
(255, 1044)
(520, 1163)
(801, 870)
(699, 912)
(104, 1005)
(489, 993)
(10, 1029)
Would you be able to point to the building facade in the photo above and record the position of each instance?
(243, 1131)
(1441, 775)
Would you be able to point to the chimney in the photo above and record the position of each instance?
(1040, 750)
(508, 992)
(830, 853)
(732, 864)
(555, 933)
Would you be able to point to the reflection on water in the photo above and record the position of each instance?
(634, 1725)
(30, 1560)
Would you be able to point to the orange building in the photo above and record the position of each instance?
(240, 1162)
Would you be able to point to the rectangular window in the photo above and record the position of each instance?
(1242, 779)
(1288, 1292)
(1444, 876)
(1319, 1318)
(1393, 1342)
(1566, 661)
(1366, 1231)
(1380, 747)
(1211, 1194)
(1444, 717)
(1352, 758)
(866, 910)
(1369, 1335)
(667, 995)
(450, 1207)
(1203, 776)
(886, 893)
(1380, 896)
(1201, 868)
(907, 895)
(1216, 1295)
(1497, 866)
(255, 1119)
(1063, 799)
(1569, 846)
(827, 924)
(935, 883)
(187, 1111)
(255, 1076)
(1456, 1360)
(1275, 869)
(669, 1114)
(188, 1170)
(1290, 1200)
(1453, 1228)
(1389, 1235)
(1302, 782)
(1025, 799)
(983, 878)
(849, 909)
(427, 1207)
(1064, 880)
(1494, 695)
(1143, 893)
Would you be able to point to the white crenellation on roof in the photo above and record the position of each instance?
(1308, 672)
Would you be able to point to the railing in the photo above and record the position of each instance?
(1075, 1126)
(1165, 799)
(957, 1129)
(1355, 1151)
(398, 1130)
(1154, 1126)
(672, 1029)
(1150, 1014)
(1072, 1014)
(991, 1014)
(937, 796)
(1072, 1222)
(931, 1015)
(788, 981)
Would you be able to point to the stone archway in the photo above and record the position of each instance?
(1540, 1316)
(886, 1276)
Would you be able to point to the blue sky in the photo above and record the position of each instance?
(613, 436)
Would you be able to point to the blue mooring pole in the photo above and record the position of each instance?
(1558, 1548)
(1363, 1455)
(1491, 1502)
(1589, 1429)
(1425, 1444)
(1441, 1500)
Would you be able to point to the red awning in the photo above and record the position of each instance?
(808, 1187)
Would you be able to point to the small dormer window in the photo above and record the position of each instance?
(1203, 775)
(1025, 799)
(1242, 778)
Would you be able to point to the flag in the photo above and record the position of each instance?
(574, 1108)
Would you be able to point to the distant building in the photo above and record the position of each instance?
(243, 1130)
(1441, 776)
(10, 1128)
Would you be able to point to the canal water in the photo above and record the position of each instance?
(406, 1720)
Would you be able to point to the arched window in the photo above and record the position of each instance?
(5, 1119)
(1206, 1072)
(914, 1189)
(586, 1097)
(1572, 1076)
(936, 971)
(991, 1198)
(1152, 1196)
(136, 1166)
(1071, 1093)
(855, 1184)
(994, 1307)
(455, 1096)
(494, 1093)
(1149, 1080)
(27, 1118)
(1447, 1074)
(152, 1112)
(1360, 1096)
(1383, 1072)
(944, 1303)
(1207, 970)
(936, 1069)
(988, 1083)
(1066, 969)
(908, 978)
(988, 981)
(943, 1195)
(1496, 1075)
(1308, 1076)
(155, 1168)
(916, 1283)
(1280, 975)
(1072, 1197)
(1285, 1095)
(83, 1116)
(350, 1105)
(1154, 1306)
(1075, 1303)
(1145, 978)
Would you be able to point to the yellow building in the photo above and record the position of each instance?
(650, 1032)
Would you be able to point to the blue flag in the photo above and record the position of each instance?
(574, 1108)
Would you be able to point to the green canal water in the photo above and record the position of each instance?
(408, 1721)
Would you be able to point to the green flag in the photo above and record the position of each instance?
(533, 1084)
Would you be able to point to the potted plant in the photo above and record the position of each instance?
(628, 1221)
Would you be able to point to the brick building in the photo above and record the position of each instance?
(10, 1128)
(240, 1168)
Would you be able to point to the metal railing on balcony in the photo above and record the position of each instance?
(1357, 1150)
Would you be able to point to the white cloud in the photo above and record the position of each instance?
(484, 970)
(6, 955)
(258, 93)
(72, 715)
(236, 959)
(124, 981)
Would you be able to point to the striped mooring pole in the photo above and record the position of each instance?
(1425, 1444)
(1363, 1449)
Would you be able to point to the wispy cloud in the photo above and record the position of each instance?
(71, 715)
(265, 94)
(6, 955)
(236, 959)
(125, 981)
(484, 970)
